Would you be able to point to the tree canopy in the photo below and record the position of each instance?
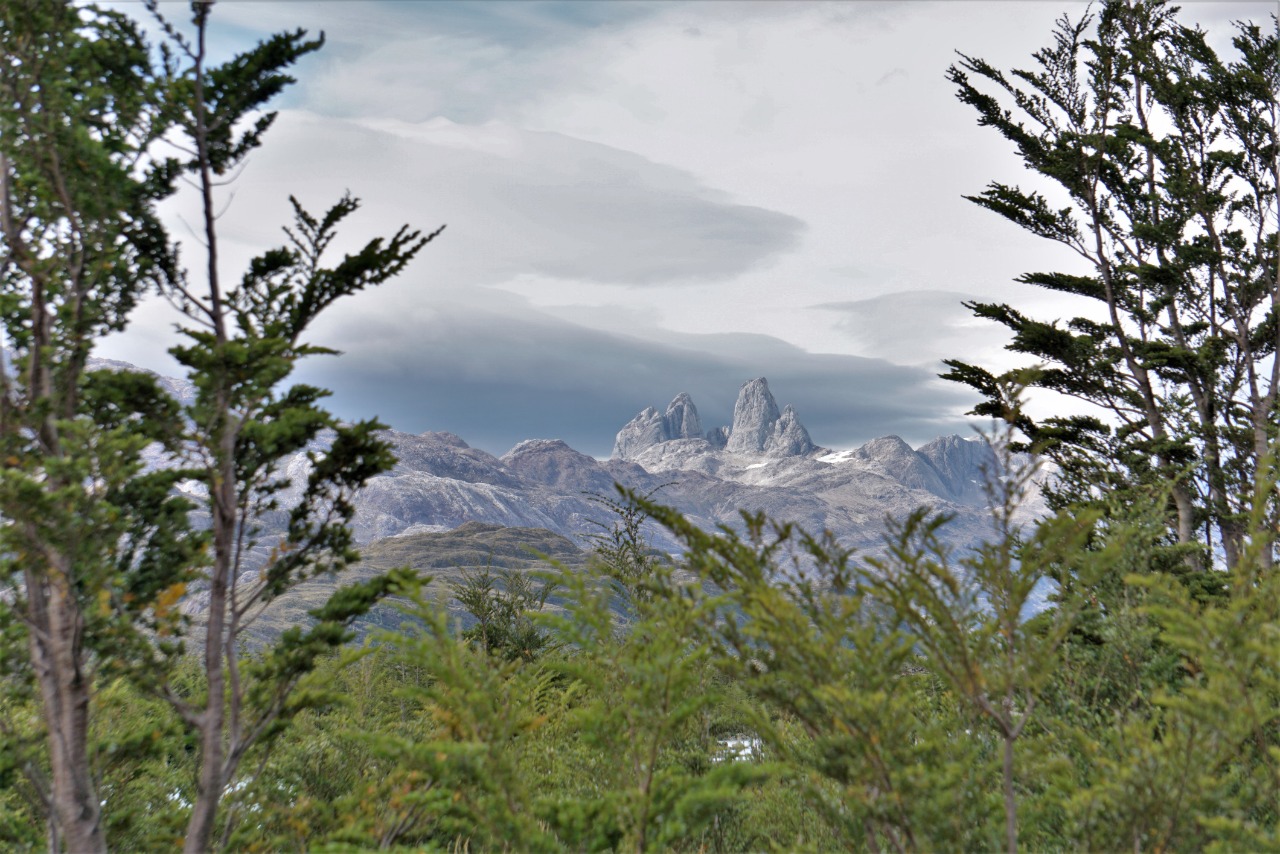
(767, 688)
(1160, 162)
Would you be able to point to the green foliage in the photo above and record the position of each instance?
(971, 618)
(767, 689)
(503, 615)
(620, 552)
(95, 551)
(98, 552)
(874, 697)
(147, 767)
(648, 693)
(23, 811)
(843, 700)
(1161, 156)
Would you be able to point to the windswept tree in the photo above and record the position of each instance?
(243, 341)
(1164, 162)
(92, 549)
(97, 548)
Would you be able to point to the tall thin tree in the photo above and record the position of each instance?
(243, 343)
(91, 545)
(1165, 160)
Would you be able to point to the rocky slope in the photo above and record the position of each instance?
(447, 558)
(765, 461)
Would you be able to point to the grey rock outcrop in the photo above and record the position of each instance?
(758, 427)
(895, 458)
(789, 438)
(681, 420)
(644, 431)
(962, 464)
(552, 463)
(448, 456)
(754, 415)
(650, 428)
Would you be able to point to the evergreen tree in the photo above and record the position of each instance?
(95, 550)
(1166, 156)
(243, 343)
(98, 551)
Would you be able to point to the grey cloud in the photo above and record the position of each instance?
(496, 379)
(521, 202)
(470, 61)
(628, 228)
(893, 326)
(354, 25)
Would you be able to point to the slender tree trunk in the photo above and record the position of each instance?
(211, 779)
(64, 690)
(212, 776)
(1010, 799)
(1263, 447)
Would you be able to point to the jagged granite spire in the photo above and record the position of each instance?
(644, 431)
(681, 420)
(789, 438)
(754, 415)
(758, 426)
(651, 427)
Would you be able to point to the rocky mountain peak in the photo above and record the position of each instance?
(789, 438)
(644, 431)
(453, 440)
(537, 446)
(681, 420)
(894, 457)
(553, 463)
(446, 455)
(754, 415)
(650, 427)
(758, 427)
(885, 448)
(963, 464)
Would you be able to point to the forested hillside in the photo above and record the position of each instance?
(765, 688)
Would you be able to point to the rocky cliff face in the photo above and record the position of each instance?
(681, 419)
(961, 464)
(896, 459)
(789, 438)
(552, 463)
(766, 461)
(650, 428)
(644, 431)
(758, 427)
(754, 415)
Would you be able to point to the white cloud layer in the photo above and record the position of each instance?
(644, 198)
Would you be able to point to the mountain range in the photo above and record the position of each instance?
(765, 460)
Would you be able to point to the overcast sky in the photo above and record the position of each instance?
(645, 198)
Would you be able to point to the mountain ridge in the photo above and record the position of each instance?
(765, 461)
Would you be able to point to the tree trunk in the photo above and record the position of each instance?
(64, 690)
(212, 776)
(1010, 800)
